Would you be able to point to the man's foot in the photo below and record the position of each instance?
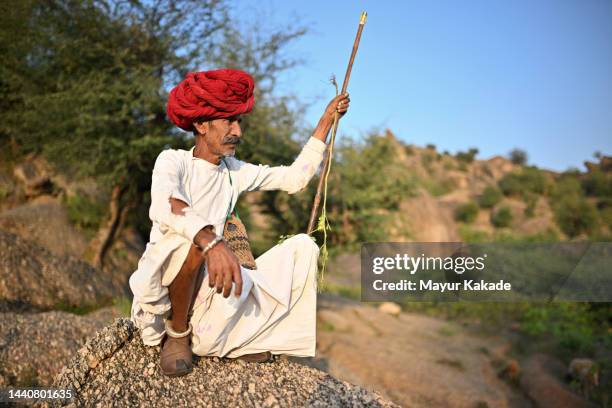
(175, 356)
(262, 357)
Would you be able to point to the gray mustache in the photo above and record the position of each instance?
(231, 140)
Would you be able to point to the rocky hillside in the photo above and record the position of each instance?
(459, 197)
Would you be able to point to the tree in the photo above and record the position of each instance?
(367, 184)
(467, 157)
(573, 212)
(518, 157)
(98, 68)
(527, 180)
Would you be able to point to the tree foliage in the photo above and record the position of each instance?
(502, 218)
(368, 183)
(467, 212)
(527, 180)
(518, 157)
(85, 82)
(490, 197)
(574, 213)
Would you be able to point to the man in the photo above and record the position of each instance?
(185, 277)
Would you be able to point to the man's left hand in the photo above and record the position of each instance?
(339, 104)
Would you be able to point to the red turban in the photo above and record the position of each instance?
(212, 95)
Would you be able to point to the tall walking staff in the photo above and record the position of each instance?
(317, 199)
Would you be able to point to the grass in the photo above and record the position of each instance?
(4, 193)
(124, 305)
(349, 292)
(456, 364)
(77, 310)
(469, 234)
(437, 188)
(446, 332)
(327, 326)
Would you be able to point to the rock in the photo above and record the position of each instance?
(36, 346)
(390, 308)
(31, 275)
(33, 174)
(213, 382)
(44, 219)
(586, 372)
(511, 371)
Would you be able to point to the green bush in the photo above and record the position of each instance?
(467, 157)
(575, 215)
(502, 218)
(490, 197)
(606, 215)
(572, 325)
(373, 184)
(466, 212)
(85, 213)
(573, 212)
(528, 180)
(597, 184)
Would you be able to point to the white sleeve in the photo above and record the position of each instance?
(291, 178)
(166, 184)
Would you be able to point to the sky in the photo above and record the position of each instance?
(490, 74)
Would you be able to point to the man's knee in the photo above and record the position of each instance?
(306, 243)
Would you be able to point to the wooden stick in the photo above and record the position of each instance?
(317, 199)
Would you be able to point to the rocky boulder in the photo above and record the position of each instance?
(34, 347)
(31, 275)
(114, 368)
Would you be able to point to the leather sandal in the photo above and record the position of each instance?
(175, 356)
(263, 357)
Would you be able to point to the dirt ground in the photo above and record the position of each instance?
(421, 361)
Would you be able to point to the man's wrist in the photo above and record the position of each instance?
(205, 236)
(212, 244)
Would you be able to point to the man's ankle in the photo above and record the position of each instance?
(178, 326)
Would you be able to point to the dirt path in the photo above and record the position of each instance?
(414, 360)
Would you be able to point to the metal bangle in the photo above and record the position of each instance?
(212, 243)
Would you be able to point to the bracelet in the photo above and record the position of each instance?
(211, 244)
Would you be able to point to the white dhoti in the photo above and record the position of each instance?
(276, 311)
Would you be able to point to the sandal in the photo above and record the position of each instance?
(263, 357)
(175, 356)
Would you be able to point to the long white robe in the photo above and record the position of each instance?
(276, 311)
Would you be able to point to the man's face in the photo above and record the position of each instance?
(221, 135)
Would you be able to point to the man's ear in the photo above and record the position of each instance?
(200, 126)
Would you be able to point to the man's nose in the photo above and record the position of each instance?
(236, 129)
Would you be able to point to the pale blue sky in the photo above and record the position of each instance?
(488, 74)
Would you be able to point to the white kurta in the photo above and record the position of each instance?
(276, 311)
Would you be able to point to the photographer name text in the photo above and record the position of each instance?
(430, 285)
